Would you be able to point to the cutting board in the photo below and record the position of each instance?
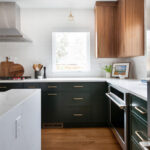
(10, 69)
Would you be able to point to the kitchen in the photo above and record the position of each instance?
(72, 51)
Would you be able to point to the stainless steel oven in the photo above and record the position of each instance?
(118, 109)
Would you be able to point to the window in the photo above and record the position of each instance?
(70, 51)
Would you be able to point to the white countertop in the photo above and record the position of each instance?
(13, 98)
(135, 87)
(92, 79)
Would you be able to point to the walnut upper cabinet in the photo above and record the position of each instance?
(119, 28)
(130, 28)
(105, 13)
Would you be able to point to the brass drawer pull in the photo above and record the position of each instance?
(140, 111)
(78, 115)
(138, 135)
(78, 99)
(52, 87)
(52, 94)
(3, 87)
(78, 86)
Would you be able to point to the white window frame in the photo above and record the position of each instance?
(54, 54)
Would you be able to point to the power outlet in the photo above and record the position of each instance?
(18, 127)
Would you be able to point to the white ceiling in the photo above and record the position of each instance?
(76, 4)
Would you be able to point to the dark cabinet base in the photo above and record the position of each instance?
(78, 104)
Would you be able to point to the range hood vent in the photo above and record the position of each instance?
(10, 23)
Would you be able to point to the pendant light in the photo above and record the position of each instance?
(70, 17)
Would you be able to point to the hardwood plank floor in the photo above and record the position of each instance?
(79, 139)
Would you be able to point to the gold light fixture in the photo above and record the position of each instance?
(70, 17)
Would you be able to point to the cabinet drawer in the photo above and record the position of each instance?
(138, 128)
(75, 87)
(139, 107)
(52, 87)
(98, 88)
(31, 85)
(51, 107)
(78, 114)
(4, 87)
(134, 145)
(76, 98)
(15, 86)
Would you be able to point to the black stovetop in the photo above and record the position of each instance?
(15, 78)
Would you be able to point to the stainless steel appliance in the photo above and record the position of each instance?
(10, 23)
(118, 109)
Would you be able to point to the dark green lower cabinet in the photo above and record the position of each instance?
(134, 145)
(8, 86)
(138, 122)
(51, 107)
(99, 109)
(77, 105)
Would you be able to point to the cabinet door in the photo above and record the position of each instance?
(99, 103)
(15, 86)
(99, 109)
(134, 38)
(121, 28)
(3, 87)
(130, 28)
(8, 86)
(106, 46)
(51, 107)
(31, 85)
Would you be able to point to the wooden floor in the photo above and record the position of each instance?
(79, 139)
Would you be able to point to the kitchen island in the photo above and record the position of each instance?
(20, 119)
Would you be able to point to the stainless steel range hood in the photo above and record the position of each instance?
(10, 23)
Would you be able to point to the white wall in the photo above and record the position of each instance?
(138, 67)
(39, 24)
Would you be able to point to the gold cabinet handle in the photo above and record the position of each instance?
(52, 87)
(78, 86)
(3, 87)
(78, 99)
(138, 135)
(139, 110)
(78, 115)
(52, 94)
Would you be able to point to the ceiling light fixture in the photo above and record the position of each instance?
(70, 17)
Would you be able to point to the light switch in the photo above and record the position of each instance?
(18, 127)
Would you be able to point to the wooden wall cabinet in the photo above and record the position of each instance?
(106, 14)
(119, 28)
(130, 28)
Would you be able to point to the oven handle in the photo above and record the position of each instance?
(121, 106)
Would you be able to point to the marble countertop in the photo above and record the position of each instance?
(92, 79)
(135, 87)
(13, 98)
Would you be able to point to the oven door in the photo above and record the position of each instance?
(118, 118)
